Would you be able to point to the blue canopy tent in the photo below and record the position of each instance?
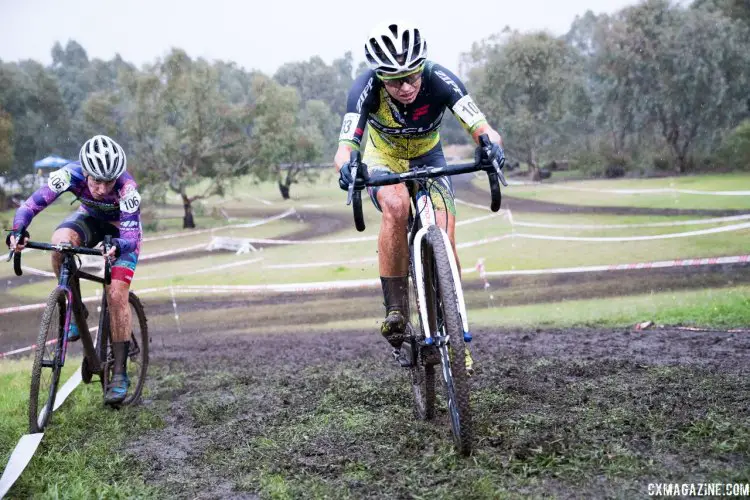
(51, 162)
(46, 165)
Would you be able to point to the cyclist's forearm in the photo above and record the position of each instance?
(342, 156)
(493, 135)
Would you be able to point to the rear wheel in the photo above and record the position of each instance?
(45, 374)
(452, 354)
(137, 352)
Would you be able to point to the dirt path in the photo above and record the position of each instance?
(465, 188)
(19, 329)
(584, 412)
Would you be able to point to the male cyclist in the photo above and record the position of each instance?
(402, 98)
(110, 205)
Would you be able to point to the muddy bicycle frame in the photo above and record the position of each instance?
(67, 281)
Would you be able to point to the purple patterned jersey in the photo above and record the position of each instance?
(121, 207)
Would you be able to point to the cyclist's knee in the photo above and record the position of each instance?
(394, 202)
(63, 235)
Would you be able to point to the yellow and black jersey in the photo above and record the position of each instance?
(412, 130)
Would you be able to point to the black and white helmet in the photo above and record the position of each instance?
(102, 158)
(395, 47)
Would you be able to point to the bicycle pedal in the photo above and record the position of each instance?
(402, 358)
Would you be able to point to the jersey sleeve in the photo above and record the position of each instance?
(130, 217)
(457, 98)
(59, 181)
(358, 105)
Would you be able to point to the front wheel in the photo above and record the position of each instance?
(421, 372)
(452, 354)
(45, 374)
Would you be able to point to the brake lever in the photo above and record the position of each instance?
(350, 192)
(499, 172)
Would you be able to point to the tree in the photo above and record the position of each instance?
(524, 82)
(30, 95)
(6, 142)
(314, 79)
(287, 138)
(681, 69)
(735, 9)
(184, 131)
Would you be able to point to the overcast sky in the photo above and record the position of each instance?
(264, 35)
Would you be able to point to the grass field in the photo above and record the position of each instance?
(295, 396)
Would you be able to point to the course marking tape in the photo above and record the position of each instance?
(18, 460)
(693, 222)
(31, 307)
(649, 191)
(28, 444)
(628, 267)
(231, 226)
(201, 271)
(31, 347)
(321, 264)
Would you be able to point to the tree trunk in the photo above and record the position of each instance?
(187, 220)
(534, 172)
(286, 184)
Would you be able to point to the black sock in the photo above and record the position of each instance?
(396, 294)
(120, 351)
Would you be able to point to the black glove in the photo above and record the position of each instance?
(345, 176)
(115, 242)
(20, 234)
(495, 153)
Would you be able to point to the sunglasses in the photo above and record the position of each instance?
(398, 82)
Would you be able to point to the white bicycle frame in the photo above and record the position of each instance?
(426, 212)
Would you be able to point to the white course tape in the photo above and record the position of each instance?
(231, 226)
(627, 267)
(173, 252)
(29, 443)
(18, 460)
(31, 347)
(38, 272)
(31, 307)
(693, 222)
(282, 287)
(321, 264)
(722, 229)
(201, 271)
(24, 349)
(67, 389)
(649, 191)
(530, 236)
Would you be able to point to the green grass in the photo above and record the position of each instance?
(81, 454)
(713, 308)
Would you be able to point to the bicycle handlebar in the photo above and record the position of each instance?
(65, 248)
(362, 179)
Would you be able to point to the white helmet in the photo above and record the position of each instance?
(102, 158)
(395, 47)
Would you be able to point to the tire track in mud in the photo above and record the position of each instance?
(246, 405)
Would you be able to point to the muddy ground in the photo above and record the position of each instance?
(256, 405)
(567, 413)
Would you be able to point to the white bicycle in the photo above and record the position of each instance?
(438, 324)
